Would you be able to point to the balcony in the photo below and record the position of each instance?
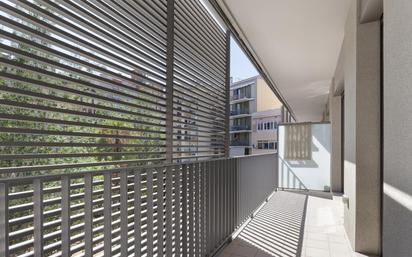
(237, 97)
(240, 98)
(235, 128)
(239, 143)
(238, 112)
(149, 210)
(114, 121)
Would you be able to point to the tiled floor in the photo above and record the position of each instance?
(324, 234)
(277, 230)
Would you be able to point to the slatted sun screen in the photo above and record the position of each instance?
(88, 84)
(200, 97)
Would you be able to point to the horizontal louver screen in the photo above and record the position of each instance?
(83, 85)
(199, 84)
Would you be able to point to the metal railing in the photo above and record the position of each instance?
(240, 96)
(240, 127)
(188, 209)
(239, 112)
(239, 143)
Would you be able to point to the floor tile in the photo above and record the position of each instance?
(315, 252)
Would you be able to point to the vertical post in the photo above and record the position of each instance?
(65, 226)
(169, 210)
(169, 81)
(107, 207)
(137, 213)
(203, 207)
(88, 215)
(212, 208)
(160, 211)
(38, 217)
(219, 200)
(123, 213)
(227, 91)
(149, 212)
(184, 209)
(191, 168)
(207, 208)
(196, 199)
(286, 115)
(4, 220)
(177, 207)
(225, 198)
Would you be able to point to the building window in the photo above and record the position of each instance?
(271, 145)
(267, 145)
(267, 126)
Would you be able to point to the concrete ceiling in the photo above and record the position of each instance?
(297, 43)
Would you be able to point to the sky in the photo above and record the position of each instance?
(240, 66)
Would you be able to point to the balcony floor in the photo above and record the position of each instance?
(277, 229)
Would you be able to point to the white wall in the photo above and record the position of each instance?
(397, 200)
(315, 173)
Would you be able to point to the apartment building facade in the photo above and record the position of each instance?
(247, 97)
(265, 131)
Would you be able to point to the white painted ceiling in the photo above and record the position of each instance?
(297, 42)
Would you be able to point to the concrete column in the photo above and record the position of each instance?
(397, 135)
(368, 127)
(336, 140)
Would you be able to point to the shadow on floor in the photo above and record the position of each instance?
(277, 230)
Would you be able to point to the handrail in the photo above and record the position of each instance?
(239, 112)
(238, 97)
(239, 127)
(239, 143)
(131, 168)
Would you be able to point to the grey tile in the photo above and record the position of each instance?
(241, 250)
(263, 254)
(321, 244)
(315, 252)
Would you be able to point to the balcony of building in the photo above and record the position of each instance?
(115, 122)
(241, 125)
(240, 129)
(241, 99)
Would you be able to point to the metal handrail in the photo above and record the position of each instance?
(239, 112)
(239, 143)
(240, 127)
(238, 97)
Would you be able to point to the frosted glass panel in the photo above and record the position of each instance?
(313, 173)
